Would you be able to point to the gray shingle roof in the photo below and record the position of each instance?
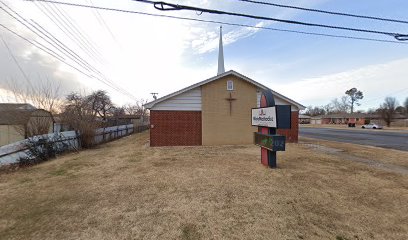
(18, 113)
(15, 106)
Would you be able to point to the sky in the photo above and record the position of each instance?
(139, 54)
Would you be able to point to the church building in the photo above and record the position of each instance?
(216, 111)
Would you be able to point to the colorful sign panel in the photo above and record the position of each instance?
(264, 117)
(270, 142)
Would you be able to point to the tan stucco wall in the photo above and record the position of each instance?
(218, 126)
(9, 134)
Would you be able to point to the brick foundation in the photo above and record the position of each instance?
(175, 128)
(293, 133)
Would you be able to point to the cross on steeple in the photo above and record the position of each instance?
(230, 99)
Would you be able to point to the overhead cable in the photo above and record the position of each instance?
(163, 6)
(222, 22)
(57, 20)
(75, 31)
(326, 12)
(44, 49)
(54, 42)
(78, 29)
(16, 62)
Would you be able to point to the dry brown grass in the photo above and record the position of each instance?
(127, 190)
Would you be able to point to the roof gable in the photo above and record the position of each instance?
(231, 72)
(16, 106)
(21, 117)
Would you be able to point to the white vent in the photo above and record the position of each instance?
(230, 85)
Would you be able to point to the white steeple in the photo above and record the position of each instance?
(221, 68)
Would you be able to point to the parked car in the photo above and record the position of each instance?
(372, 126)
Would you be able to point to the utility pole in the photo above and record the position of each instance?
(154, 95)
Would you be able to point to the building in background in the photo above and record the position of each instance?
(343, 118)
(304, 119)
(137, 120)
(19, 121)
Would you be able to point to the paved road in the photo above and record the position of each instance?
(372, 137)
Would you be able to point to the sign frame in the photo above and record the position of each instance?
(275, 119)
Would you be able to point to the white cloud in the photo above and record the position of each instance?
(207, 41)
(376, 82)
(149, 54)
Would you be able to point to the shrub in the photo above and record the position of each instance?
(40, 149)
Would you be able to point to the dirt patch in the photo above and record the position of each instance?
(349, 157)
(126, 190)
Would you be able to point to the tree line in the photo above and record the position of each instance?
(347, 103)
(77, 110)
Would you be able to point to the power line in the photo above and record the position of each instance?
(54, 53)
(104, 79)
(44, 49)
(79, 34)
(80, 31)
(50, 41)
(222, 22)
(163, 6)
(326, 12)
(59, 22)
(69, 51)
(81, 62)
(104, 23)
(16, 62)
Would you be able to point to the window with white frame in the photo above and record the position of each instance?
(230, 85)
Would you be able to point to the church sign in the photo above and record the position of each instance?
(265, 117)
(272, 143)
(270, 117)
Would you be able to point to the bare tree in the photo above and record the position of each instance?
(328, 108)
(119, 111)
(136, 108)
(340, 106)
(353, 97)
(387, 109)
(86, 113)
(45, 94)
(406, 106)
(39, 123)
(79, 116)
(101, 105)
(315, 111)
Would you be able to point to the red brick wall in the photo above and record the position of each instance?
(175, 128)
(361, 121)
(292, 135)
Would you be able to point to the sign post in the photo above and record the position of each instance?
(269, 117)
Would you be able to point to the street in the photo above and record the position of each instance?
(372, 137)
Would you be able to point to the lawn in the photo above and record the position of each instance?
(127, 190)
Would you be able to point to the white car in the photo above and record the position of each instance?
(372, 126)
